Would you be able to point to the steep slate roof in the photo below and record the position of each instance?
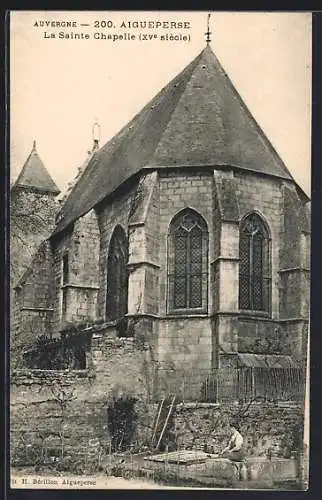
(34, 174)
(198, 119)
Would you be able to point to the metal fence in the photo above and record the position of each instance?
(230, 384)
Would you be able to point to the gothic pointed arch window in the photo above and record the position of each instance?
(117, 276)
(254, 265)
(188, 263)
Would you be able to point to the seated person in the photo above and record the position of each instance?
(234, 450)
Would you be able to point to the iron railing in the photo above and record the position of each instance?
(231, 384)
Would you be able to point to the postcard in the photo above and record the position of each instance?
(160, 249)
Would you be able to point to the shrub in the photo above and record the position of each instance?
(122, 420)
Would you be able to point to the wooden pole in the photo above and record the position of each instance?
(157, 422)
(166, 421)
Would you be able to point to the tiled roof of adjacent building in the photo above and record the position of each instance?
(198, 119)
(35, 175)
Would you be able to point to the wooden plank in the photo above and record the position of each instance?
(184, 457)
(163, 412)
(157, 421)
(166, 421)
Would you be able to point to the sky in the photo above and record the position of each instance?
(60, 87)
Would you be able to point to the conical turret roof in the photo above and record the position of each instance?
(198, 119)
(34, 175)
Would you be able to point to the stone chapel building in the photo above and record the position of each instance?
(186, 228)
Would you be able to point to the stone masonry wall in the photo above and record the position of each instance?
(184, 353)
(144, 238)
(36, 417)
(83, 280)
(60, 246)
(33, 302)
(152, 272)
(81, 244)
(290, 254)
(119, 366)
(84, 265)
(250, 330)
(264, 427)
(295, 271)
